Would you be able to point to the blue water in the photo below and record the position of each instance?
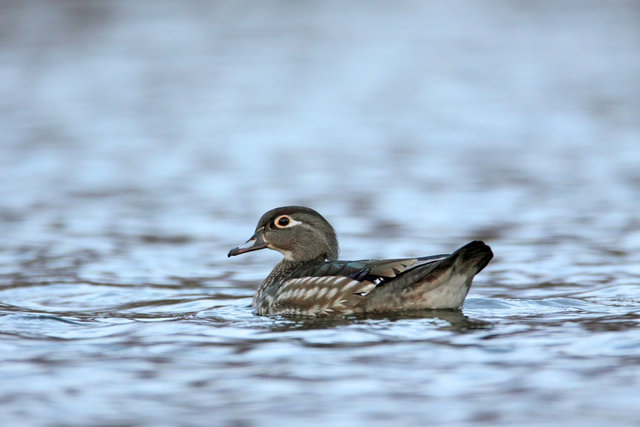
(143, 140)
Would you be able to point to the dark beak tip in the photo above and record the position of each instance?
(255, 243)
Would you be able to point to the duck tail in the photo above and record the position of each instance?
(441, 284)
(476, 255)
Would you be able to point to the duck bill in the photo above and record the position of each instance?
(256, 242)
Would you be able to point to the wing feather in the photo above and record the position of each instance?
(339, 286)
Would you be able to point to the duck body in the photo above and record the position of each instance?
(311, 281)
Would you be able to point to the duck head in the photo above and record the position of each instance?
(299, 233)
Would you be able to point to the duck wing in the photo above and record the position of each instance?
(365, 270)
(442, 284)
(339, 286)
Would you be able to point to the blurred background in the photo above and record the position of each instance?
(142, 140)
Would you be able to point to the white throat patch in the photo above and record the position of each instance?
(287, 254)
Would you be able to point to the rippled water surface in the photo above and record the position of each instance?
(142, 140)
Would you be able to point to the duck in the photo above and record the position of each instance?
(311, 281)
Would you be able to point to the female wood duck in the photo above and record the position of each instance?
(310, 281)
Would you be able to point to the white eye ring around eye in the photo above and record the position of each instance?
(282, 221)
(285, 221)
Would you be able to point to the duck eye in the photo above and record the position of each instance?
(282, 221)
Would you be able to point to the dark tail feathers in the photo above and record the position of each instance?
(476, 252)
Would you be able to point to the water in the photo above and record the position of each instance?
(142, 140)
